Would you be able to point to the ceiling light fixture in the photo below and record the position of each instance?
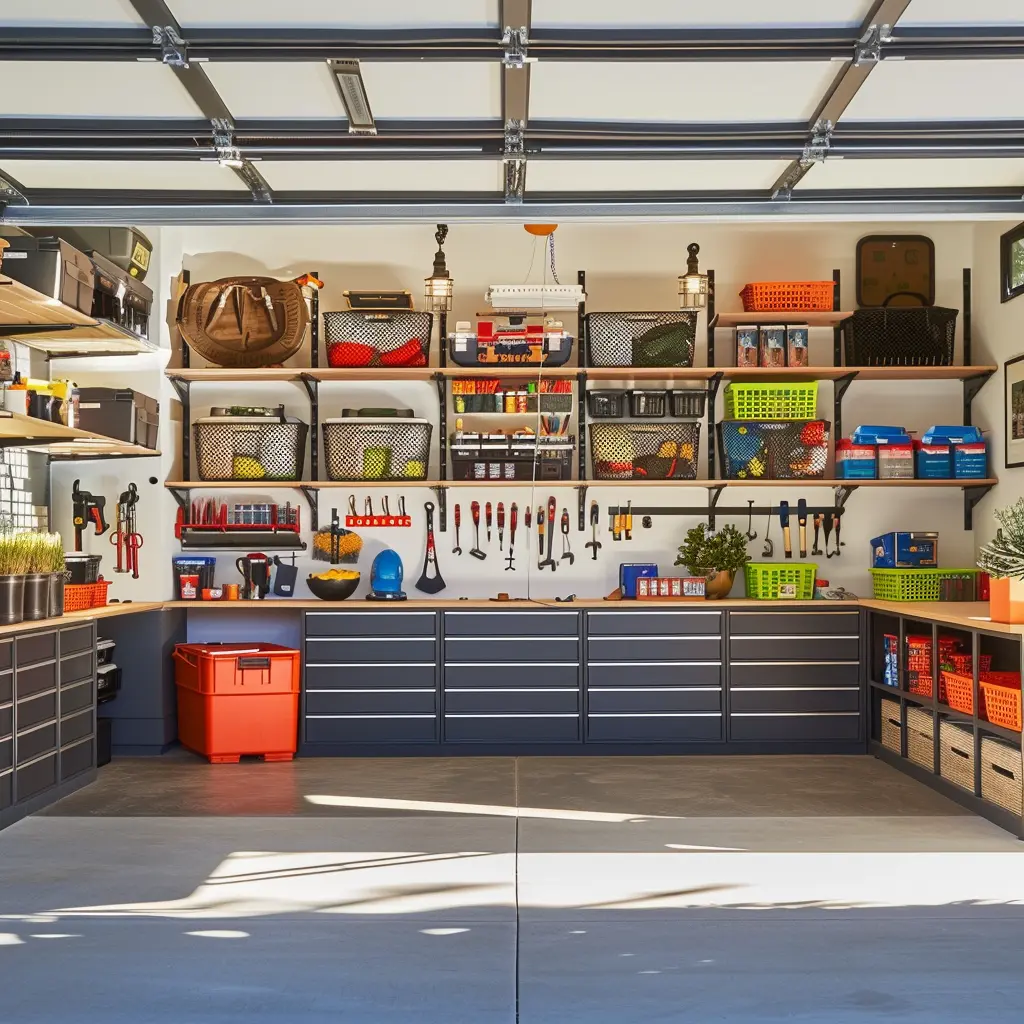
(349, 80)
(437, 289)
(693, 285)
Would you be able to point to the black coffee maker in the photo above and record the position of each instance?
(255, 570)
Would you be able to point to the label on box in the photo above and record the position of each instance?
(787, 591)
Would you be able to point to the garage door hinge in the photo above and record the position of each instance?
(868, 49)
(229, 155)
(515, 42)
(173, 49)
(816, 150)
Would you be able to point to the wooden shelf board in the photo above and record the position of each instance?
(57, 439)
(812, 318)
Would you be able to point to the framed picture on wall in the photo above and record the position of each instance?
(1011, 263)
(1013, 372)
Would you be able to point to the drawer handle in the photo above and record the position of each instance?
(655, 714)
(682, 614)
(371, 716)
(397, 615)
(655, 689)
(795, 689)
(49, 724)
(797, 636)
(535, 615)
(514, 714)
(795, 714)
(77, 743)
(52, 752)
(653, 636)
(736, 662)
(370, 664)
(478, 639)
(514, 664)
(628, 664)
(372, 691)
(512, 689)
(369, 639)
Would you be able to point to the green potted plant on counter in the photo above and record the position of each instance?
(717, 556)
(15, 559)
(1003, 559)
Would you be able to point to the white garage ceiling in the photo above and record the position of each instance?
(662, 106)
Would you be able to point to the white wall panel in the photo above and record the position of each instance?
(956, 12)
(918, 173)
(656, 175)
(382, 175)
(378, 14)
(123, 174)
(708, 92)
(65, 13)
(673, 13)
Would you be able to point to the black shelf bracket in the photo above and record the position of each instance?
(842, 494)
(581, 502)
(714, 383)
(714, 493)
(972, 385)
(182, 389)
(972, 495)
(312, 495)
(181, 497)
(312, 386)
(842, 385)
(441, 383)
(441, 493)
(310, 383)
(581, 444)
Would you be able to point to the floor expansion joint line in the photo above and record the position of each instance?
(515, 796)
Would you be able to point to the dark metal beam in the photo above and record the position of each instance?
(515, 93)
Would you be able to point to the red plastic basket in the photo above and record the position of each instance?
(80, 596)
(1001, 699)
(787, 296)
(957, 691)
(964, 663)
(920, 683)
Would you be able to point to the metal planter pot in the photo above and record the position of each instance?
(56, 600)
(12, 599)
(37, 596)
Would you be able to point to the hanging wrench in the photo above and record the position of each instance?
(818, 519)
(566, 545)
(457, 550)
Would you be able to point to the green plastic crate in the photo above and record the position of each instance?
(771, 401)
(912, 584)
(765, 578)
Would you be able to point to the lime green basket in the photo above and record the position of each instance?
(764, 579)
(913, 584)
(771, 401)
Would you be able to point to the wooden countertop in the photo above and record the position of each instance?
(965, 614)
(78, 618)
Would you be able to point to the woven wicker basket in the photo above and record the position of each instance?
(892, 726)
(1001, 775)
(956, 755)
(921, 737)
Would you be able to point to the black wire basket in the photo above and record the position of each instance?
(641, 339)
(900, 336)
(645, 451)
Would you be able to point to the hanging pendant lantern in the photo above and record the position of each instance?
(693, 285)
(437, 289)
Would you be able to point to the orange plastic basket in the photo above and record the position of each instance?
(787, 296)
(1001, 699)
(920, 683)
(959, 692)
(80, 596)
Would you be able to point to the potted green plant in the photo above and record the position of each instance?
(717, 556)
(15, 558)
(1003, 559)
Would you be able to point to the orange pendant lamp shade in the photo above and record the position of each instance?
(540, 230)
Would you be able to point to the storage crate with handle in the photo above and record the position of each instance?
(1001, 774)
(378, 337)
(238, 699)
(770, 581)
(900, 336)
(644, 451)
(257, 445)
(956, 754)
(641, 339)
(377, 448)
(788, 296)
(789, 401)
(913, 584)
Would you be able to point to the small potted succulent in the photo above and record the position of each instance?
(15, 560)
(717, 556)
(1003, 559)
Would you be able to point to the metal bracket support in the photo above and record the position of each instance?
(842, 385)
(229, 155)
(817, 148)
(515, 41)
(714, 493)
(9, 195)
(972, 385)
(581, 504)
(181, 387)
(868, 49)
(842, 494)
(181, 497)
(514, 157)
(441, 493)
(441, 383)
(173, 49)
(312, 495)
(972, 495)
(310, 383)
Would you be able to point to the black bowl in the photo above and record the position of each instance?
(332, 590)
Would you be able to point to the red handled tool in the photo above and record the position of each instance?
(487, 512)
(552, 511)
(513, 516)
(87, 508)
(475, 549)
(501, 526)
(457, 550)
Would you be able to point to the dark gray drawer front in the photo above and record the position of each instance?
(38, 741)
(800, 699)
(800, 622)
(796, 648)
(542, 649)
(77, 727)
(371, 730)
(6, 655)
(511, 623)
(805, 673)
(384, 651)
(358, 677)
(505, 676)
(509, 729)
(37, 710)
(808, 727)
(6, 754)
(76, 760)
(375, 623)
(35, 778)
(6, 687)
(77, 639)
(378, 702)
(655, 648)
(658, 698)
(638, 623)
(75, 698)
(36, 647)
(536, 702)
(76, 668)
(6, 790)
(32, 680)
(639, 673)
(654, 728)
(6, 721)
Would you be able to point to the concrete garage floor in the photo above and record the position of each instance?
(539, 890)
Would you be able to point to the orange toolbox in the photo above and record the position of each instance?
(238, 699)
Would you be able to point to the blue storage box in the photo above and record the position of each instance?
(630, 572)
(970, 461)
(953, 435)
(900, 550)
(933, 461)
(857, 469)
(868, 434)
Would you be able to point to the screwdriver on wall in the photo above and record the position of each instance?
(784, 521)
(487, 519)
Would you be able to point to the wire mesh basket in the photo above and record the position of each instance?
(641, 339)
(776, 450)
(901, 336)
(250, 447)
(645, 451)
(365, 448)
(378, 337)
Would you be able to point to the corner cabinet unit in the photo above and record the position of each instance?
(621, 679)
(47, 716)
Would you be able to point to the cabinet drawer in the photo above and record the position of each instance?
(525, 649)
(36, 647)
(74, 640)
(6, 721)
(655, 698)
(382, 623)
(801, 698)
(381, 651)
(75, 728)
(6, 655)
(6, 754)
(641, 623)
(37, 710)
(551, 728)
(796, 727)
(374, 702)
(371, 729)
(655, 728)
(34, 779)
(6, 686)
(794, 648)
(6, 790)
(76, 668)
(359, 677)
(35, 742)
(77, 759)
(526, 701)
(76, 698)
(844, 623)
(514, 624)
(794, 673)
(483, 676)
(655, 648)
(28, 681)
(654, 673)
